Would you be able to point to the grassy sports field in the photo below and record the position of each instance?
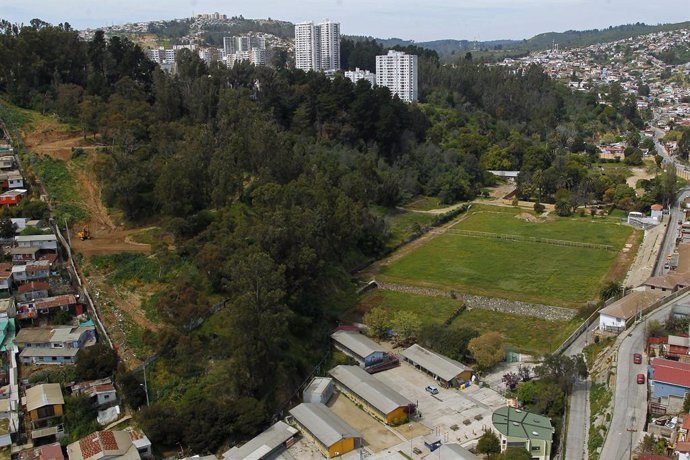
(529, 271)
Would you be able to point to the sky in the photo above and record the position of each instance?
(408, 19)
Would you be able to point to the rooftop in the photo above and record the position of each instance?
(360, 344)
(515, 423)
(455, 452)
(50, 237)
(370, 389)
(261, 445)
(322, 423)
(435, 363)
(111, 444)
(631, 304)
(36, 352)
(33, 286)
(47, 394)
(671, 372)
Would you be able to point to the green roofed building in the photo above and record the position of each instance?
(521, 429)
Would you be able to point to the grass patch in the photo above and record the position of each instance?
(425, 203)
(62, 187)
(403, 224)
(127, 267)
(13, 116)
(527, 271)
(593, 350)
(522, 334)
(599, 399)
(149, 306)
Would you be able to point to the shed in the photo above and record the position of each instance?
(319, 390)
(332, 435)
(375, 397)
(445, 370)
(359, 347)
(266, 445)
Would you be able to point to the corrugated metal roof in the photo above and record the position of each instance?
(318, 385)
(48, 394)
(22, 238)
(439, 365)
(261, 445)
(368, 388)
(359, 343)
(632, 303)
(678, 341)
(42, 352)
(514, 423)
(671, 372)
(322, 423)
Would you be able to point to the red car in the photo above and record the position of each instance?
(640, 378)
(637, 358)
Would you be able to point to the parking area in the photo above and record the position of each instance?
(456, 415)
(376, 436)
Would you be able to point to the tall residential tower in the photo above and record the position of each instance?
(398, 72)
(317, 46)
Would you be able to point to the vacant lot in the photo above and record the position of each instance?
(523, 334)
(529, 271)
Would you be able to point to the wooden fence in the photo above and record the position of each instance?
(529, 239)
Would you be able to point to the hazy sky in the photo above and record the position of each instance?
(409, 19)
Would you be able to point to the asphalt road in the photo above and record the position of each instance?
(575, 447)
(630, 400)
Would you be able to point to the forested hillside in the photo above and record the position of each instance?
(267, 179)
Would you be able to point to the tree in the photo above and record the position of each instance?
(488, 443)
(80, 417)
(686, 403)
(487, 349)
(378, 322)
(655, 328)
(7, 228)
(406, 326)
(511, 379)
(610, 290)
(562, 370)
(96, 362)
(524, 373)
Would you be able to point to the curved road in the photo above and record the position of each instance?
(630, 399)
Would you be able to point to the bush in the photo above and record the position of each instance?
(539, 208)
(488, 443)
(96, 362)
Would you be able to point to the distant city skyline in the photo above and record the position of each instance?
(407, 19)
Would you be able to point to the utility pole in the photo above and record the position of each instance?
(631, 431)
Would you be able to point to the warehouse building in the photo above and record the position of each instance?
(446, 371)
(359, 347)
(268, 444)
(374, 396)
(331, 434)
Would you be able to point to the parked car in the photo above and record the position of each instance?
(667, 266)
(637, 358)
(640, 378)
(431, 389)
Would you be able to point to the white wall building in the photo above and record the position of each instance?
(359, 74)
(398, 72)
(250, 48)
(317, 46)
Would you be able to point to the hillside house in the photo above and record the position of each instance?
(48, 452)
(31, 291)
(53, 345)
(8, 308)
(36, 270)
(669, 378)
(104, 445)
(678, 346)
(446, 371)
(44, 242)
(46, 306)
(8, 162)
(5, 279)
(45, 406)
(331, 434)
(101, 391)
(12, 197)
(23, 255)
(615, 316)
(374, 396)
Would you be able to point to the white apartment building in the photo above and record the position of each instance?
(397, 71)
(245, 48)
(359, 74)
(317, 46)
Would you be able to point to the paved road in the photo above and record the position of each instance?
(630, 400)
(674, 217)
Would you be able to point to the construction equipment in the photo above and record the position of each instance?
(84, 234)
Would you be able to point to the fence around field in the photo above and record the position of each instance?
(528, 239)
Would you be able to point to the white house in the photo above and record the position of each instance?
(613, 317)
(48, 242)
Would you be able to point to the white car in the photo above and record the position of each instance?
(431, 389)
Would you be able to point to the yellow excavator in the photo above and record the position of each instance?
(84, 234)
